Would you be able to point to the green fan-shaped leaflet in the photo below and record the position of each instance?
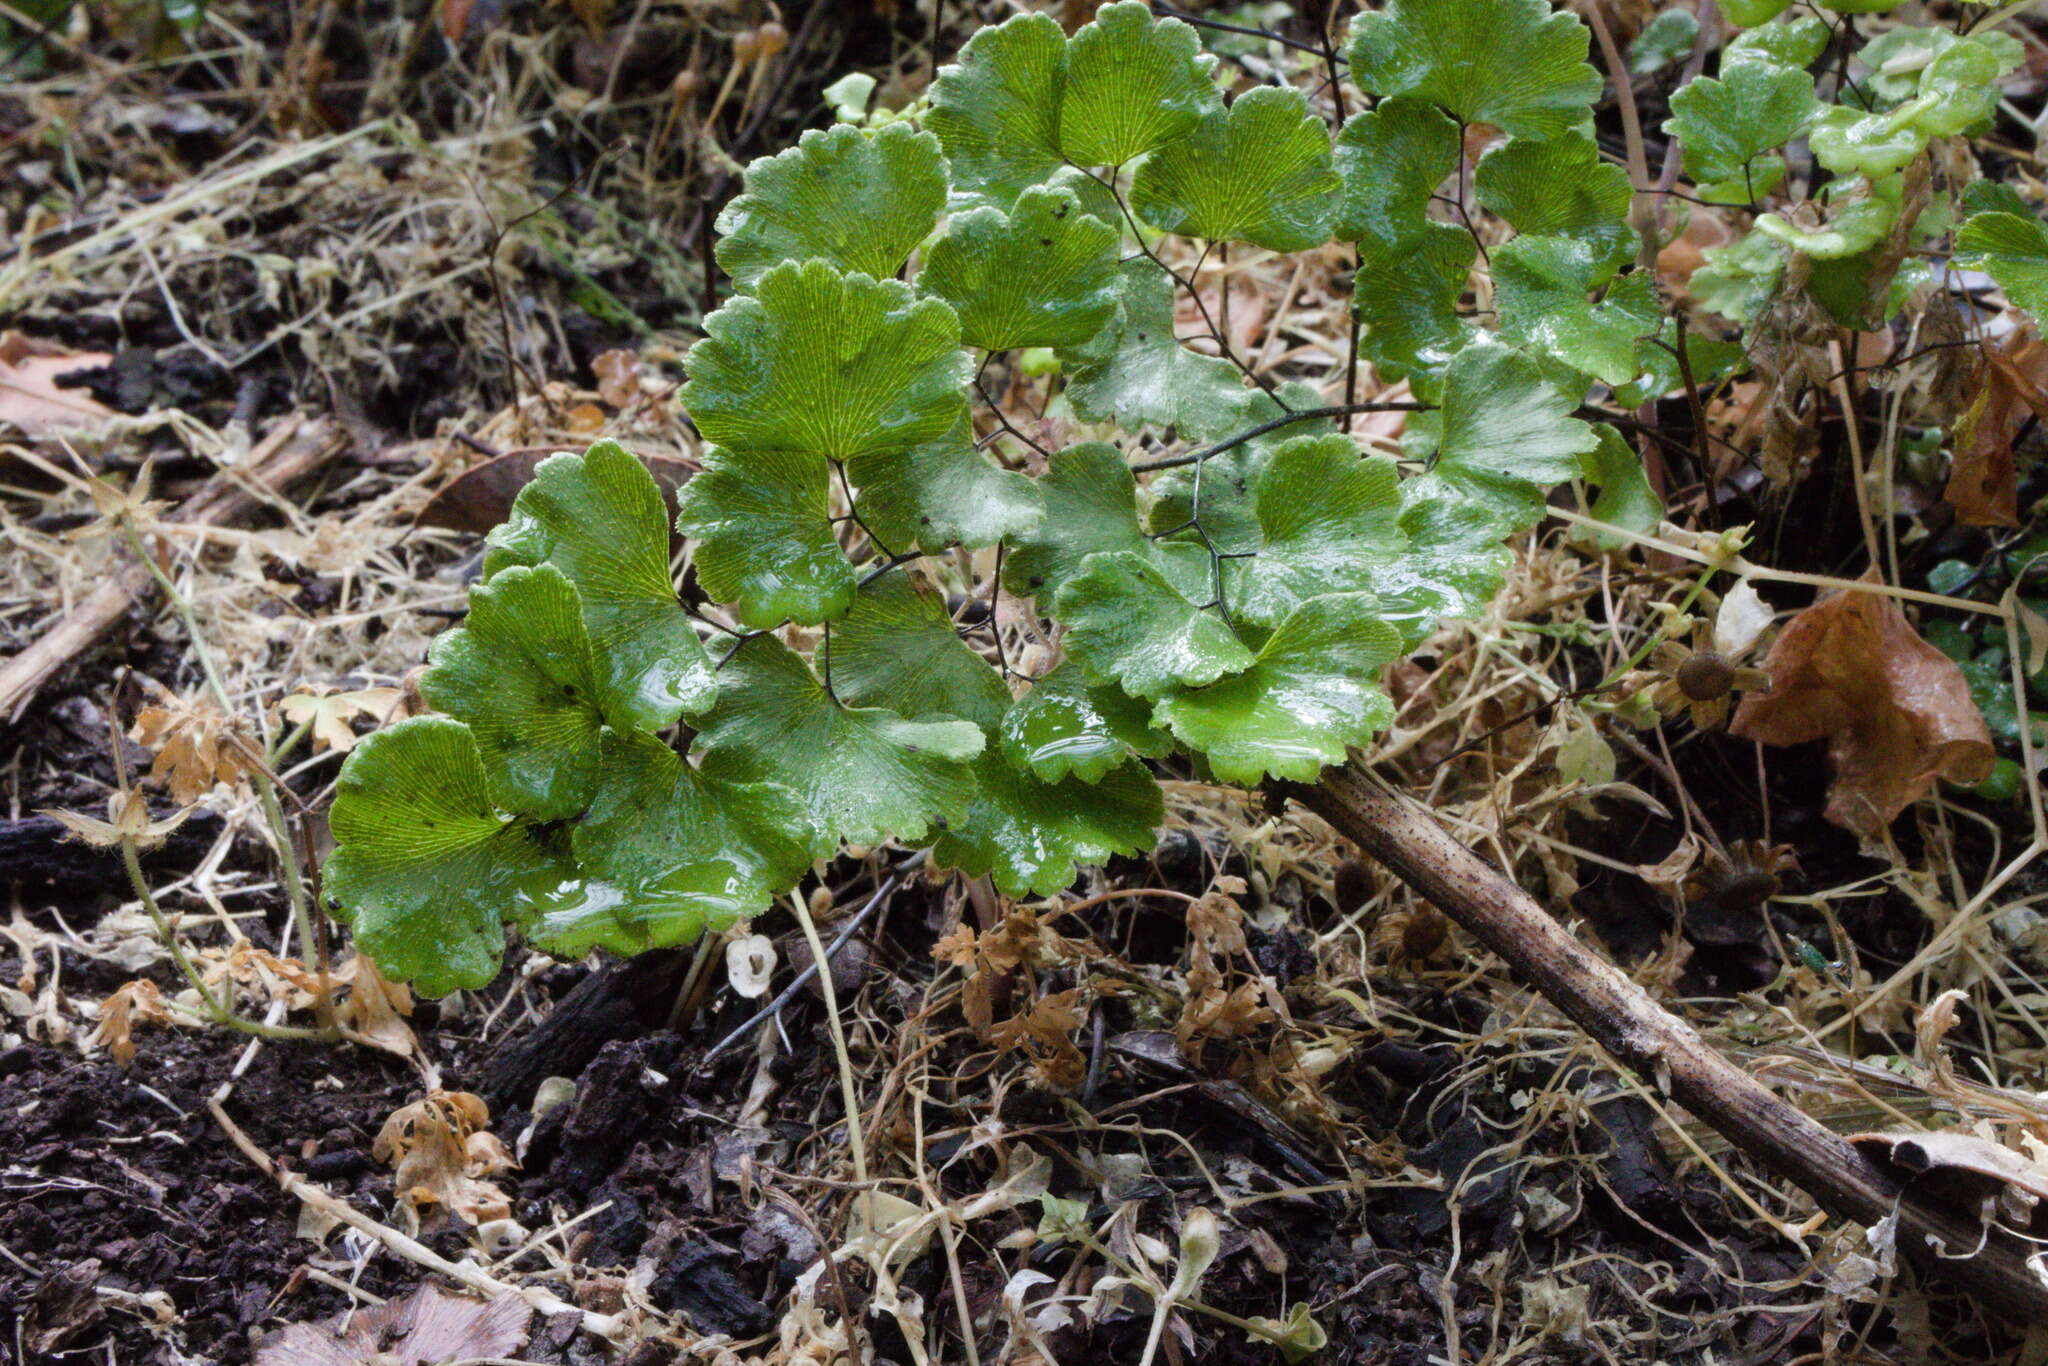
(1392, 159)
(1406, 303)
(1134, 84)
(1507, 433)
(667, 853)
(1132, 618)
(1136, 373)
(1626, 499)
(860, 200)
(1328, 523)
(1561, 188)
(424, 865)
(1068, 727)
(1849, 142)
(1312, 692)
(1795, 42)
(1453, 565)
(1042, 274)
(1540, 286)
(1091, 506)
(943, 492)
(1747, 12)
(598, 518)
(1664, 41)
(2014, 250)
(765, 542)
(997, 111)
(864, 773)
(1258, 172)
(521, 676)
(1516, 64)
(1858, 219)
(1900, 62)
(823, 363)
(1023, 101)
(898, 648)
(1731, 128)
(1229, 482)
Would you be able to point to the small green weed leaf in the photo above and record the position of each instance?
(2013, 249)
(941, 493)
(1134, 83)
(1852, 227)
(1312, 692)
(598, 517)
(520, 675)
(827, 364)
(1540, 288)
(1729, 126)
(1068, 727)
(1561, 188)
(1507, 429)
(1042, 274)
(861, 201)
(1091, 507)
(1659, 374)
(1407, 304)
(1031, 837)
(1991, 196)
(898, 648)
(1663, 41)
(1959, 89)
(865, 774)
(1517, 64)
(424, 864)
(1625, 499)
(765, 542)
(1258, 172)
(1744, 13)
(1794, 42)
(997, 111)
(668, 853)
(1850, 142)
(1392, 159)
(1136, 373)
(1328, 519)
(1127, 619)
(1738, 280)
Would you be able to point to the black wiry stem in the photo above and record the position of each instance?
(1284, 420)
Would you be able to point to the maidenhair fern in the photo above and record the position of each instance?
(1224, 572)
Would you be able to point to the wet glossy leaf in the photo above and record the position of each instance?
(1407, 304)
(1091, 506)
(1392, 159)
(898, 648)
(519, 673)
(599, 518)
(943, 492)
(1258, 172)
(765, 540)
(1507, 433)
(668, 853)
(1793, 42)
(822, 363)
(424, 865)
(861, 201)
(1068, 727)
(1626, 499)
(865, 773)
(1312, 692)
(1032, 837)
(1042, 274)
(1328, 524)
(1517, 64)
(1541, 288)
(1850, 142)
(997, 111)
(1731, 128)
(1128, 620)
(1561, 188)
(1136, 372)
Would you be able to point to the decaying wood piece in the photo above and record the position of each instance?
(1623, 1019)
(288, 455)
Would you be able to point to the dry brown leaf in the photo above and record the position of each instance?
(1045, 1032)
(585, 419)
(618, 376)
(29, 396)
(1983, 484)
(1895, 711)
(136, 1003)
(455, 18)
(196, 746)
(442, 1155)
(1965, 1168)
(128, 812)
(376, 1008)
(425, 1328)
(328, 713)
